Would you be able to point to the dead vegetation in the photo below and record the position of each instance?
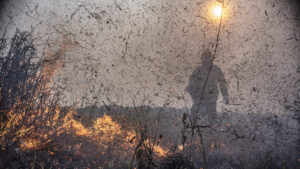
(37, 132)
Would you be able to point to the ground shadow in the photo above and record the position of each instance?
(203, 87)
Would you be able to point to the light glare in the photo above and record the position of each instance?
(217, 11)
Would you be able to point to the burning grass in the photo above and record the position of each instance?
(36, 133)
(106, 139)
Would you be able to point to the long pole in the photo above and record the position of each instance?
(193, 125)
(214, 56)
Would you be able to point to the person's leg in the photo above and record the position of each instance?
(206, 113)
(194, 111)
(210, 113)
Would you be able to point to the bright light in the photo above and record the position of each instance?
(217, 11)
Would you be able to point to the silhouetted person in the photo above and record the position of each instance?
(207, 109)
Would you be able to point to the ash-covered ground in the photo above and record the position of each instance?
(149, 60)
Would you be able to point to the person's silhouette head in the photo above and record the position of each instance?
(206, 57)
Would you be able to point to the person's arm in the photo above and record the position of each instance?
(223, 86)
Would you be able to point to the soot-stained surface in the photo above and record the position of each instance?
(152, 58)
